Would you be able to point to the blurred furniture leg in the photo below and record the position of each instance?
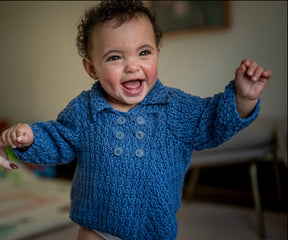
(256, 143)
(257, 200)
(192, 183)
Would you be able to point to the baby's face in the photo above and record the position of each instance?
(125, 60)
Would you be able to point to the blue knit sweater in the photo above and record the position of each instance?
(131, 166)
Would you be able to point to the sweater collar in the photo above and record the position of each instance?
(157, 95)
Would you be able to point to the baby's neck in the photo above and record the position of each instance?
(116, 105)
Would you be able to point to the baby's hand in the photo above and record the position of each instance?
(250, 80)
(18, 136)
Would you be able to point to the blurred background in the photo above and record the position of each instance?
(41, 72)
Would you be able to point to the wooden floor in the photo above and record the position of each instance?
(202, 221)
(222, 207)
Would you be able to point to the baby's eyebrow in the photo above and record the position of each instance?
(114, 51)
(145, 46)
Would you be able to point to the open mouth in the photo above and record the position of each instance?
(133, 87)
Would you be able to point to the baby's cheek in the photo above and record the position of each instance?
(152, 72)
(111, 78)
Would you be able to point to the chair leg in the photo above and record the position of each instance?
(276, 170)
(191, 185)
(257, 200)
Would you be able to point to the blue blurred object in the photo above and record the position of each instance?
(45, 171)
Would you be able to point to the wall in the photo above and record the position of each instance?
(41, 70)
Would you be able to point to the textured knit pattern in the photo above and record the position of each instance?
(131, 166)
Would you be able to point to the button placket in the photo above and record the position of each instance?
(118, 151)
(140, 135)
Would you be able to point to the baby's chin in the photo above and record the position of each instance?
(134, 101)
(124, 104)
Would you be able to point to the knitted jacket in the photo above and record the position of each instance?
(131, 166)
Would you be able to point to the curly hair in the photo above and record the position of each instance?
(121, 10)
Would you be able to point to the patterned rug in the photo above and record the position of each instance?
(30, 205)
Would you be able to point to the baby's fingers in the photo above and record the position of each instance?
(24, 140)
(261, 75)
(11, 137)
(257, 73)
(6, 139)
(20, 135)
(252, 69)
(267, 74)
(24, 135)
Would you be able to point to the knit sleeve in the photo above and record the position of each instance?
(54, 141)
(208, 122)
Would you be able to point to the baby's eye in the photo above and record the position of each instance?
(113, 58)
(145, 52)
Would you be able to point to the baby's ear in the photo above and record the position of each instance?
(88, 65)
(159, 48)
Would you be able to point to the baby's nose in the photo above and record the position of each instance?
(132, 66)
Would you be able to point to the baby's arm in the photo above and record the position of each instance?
(250, 80)
(18, 136)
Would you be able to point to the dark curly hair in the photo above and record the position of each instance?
(122, 10)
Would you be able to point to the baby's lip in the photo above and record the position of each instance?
(133, 86)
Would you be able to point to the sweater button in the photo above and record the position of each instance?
(119, 135)
(118, 151)
(140, 135)
(139, 152)
(140, 120)
(121, 120)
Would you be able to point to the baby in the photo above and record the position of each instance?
(133, 137)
